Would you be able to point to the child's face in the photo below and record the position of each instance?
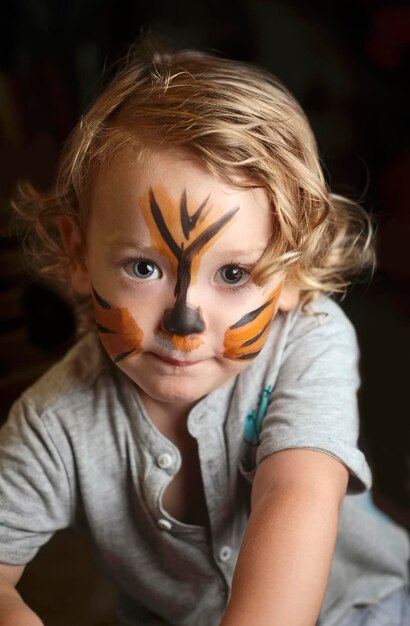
(168, 258)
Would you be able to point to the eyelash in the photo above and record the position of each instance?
(246, 270)
(123, 264)
(238, 289)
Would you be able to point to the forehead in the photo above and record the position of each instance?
(122, 188)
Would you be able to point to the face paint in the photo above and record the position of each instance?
(177, 342)
(119, 333)
(165, 229)
(181, 233)
(245, 339)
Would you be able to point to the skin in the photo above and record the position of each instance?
(181, 334)
(183, 319)
(246, 338)
(185, 329)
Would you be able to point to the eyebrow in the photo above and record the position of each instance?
(240, 252)
(253, 255)
(117, 243)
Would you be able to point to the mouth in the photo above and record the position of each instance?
(175, 362)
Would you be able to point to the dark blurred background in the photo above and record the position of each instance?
(347, 63)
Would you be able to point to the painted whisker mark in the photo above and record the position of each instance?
(119, 333)
(249, 317)
(258, 336)
(246, 357)
(245, 339)
(103, 303)
(123, 356)
(103, 329)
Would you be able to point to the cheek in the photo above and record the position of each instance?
(120, 334)
(245, 338)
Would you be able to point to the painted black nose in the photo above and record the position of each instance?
(182, 320)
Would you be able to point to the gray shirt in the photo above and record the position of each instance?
(79, 449)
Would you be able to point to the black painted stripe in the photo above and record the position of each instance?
(209, 233)
(162, 227)
(188, 223)
(245, 357)
(258, 336)
(104, 330)
(123, 355)
(249, 317)
(181, 315)
(103, 303)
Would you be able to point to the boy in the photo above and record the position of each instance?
(205, 433)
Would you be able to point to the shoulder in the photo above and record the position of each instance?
(71, 380)
(321, 341)
(323, 316)
(314, 397)
(321, 328)
(68, 407)
(299, 335)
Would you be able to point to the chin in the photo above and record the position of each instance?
(178, 387)
(174, 391)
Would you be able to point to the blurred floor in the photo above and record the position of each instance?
(64, 587)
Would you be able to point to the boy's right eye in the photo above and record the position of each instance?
(144, 269)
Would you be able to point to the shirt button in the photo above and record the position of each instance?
(164, 524)
(225, 553)
(164, 461)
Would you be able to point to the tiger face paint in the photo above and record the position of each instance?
(119, 332)
(166, 233)
(170, 250)
(245, 339)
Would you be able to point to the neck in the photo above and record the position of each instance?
(166, 415)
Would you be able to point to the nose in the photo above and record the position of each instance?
(183, 320)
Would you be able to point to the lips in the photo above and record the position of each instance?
(175, 362)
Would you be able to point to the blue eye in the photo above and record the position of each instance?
(143, 269)
(233, 275)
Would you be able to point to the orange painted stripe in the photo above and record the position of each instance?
(171, 212)
(126, 335)
(178, 342)
(235, 339)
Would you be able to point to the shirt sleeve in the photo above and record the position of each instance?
(35, 493)
(314, 401)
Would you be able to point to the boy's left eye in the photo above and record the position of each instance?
(232, 275)
(143, 269)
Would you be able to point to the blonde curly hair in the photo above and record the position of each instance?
(243, 126)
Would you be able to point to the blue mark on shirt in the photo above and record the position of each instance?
(254, 419)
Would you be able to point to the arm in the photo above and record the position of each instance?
(284, 561)
(36, 501)
(13, 611)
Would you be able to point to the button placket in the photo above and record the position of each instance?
(164, 524)
(165, 460)
(225, 554)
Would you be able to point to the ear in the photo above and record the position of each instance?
(72, 242)
(289, 297)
